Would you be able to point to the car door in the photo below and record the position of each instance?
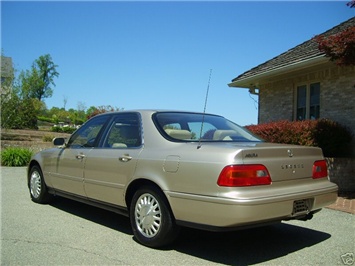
(108, 167)
(69, 173)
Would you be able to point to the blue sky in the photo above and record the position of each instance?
(137, 55)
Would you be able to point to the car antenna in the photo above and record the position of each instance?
(204, 110)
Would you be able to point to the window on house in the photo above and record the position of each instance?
(308, 101)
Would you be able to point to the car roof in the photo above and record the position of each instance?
(152, 111)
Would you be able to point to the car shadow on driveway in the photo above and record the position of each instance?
(249, 246)
(243, 247)
(94, 214)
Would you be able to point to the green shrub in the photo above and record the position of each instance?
(68, 130)
(47, 138)
(15, 156)
(45, 119)
(331, 136)
(56, 129)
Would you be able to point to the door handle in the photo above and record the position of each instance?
(125, 158)
(80, 156)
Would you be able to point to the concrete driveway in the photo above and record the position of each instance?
(70, 233)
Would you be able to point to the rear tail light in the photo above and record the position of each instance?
(320, 169)
(244, 175)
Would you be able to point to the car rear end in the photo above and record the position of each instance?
(264, 183)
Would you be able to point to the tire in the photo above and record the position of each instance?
(37, 187)
(151, 219)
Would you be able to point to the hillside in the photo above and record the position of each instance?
(34, 139)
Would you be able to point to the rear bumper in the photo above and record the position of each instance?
(236, 212)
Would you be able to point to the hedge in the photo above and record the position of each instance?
(331, 136)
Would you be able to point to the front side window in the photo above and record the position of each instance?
(308, 101)
(180, 126)
(87, 135)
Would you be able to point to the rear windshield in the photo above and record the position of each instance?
(189, 127)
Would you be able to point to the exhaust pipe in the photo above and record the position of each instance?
(307, 217)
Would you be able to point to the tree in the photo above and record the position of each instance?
(339, 47)
(93, 111)
(36, 83)
(65, 100)
(351, 3)
(17, 113)
(21, 97)
(81, 115)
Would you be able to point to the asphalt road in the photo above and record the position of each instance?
(70, 233)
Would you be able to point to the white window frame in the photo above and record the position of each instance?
(308, 100)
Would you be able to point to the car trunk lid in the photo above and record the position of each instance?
(284, 162)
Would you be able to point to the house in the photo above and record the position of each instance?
(302, 83)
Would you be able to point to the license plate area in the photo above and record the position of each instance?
(301, 207)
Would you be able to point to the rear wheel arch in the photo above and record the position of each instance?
(137, 184)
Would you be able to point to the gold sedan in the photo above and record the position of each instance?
(167, 169)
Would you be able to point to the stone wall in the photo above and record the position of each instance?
(338, 97)
(342, 173)
(276, 102)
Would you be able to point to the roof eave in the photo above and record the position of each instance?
(249, 82)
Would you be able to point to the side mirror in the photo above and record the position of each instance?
(58, 141)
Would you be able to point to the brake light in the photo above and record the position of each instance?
(244, 175)
(320, 169)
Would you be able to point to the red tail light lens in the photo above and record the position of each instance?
(320, 169)
(244, 175)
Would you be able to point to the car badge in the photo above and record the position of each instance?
(290, 153)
